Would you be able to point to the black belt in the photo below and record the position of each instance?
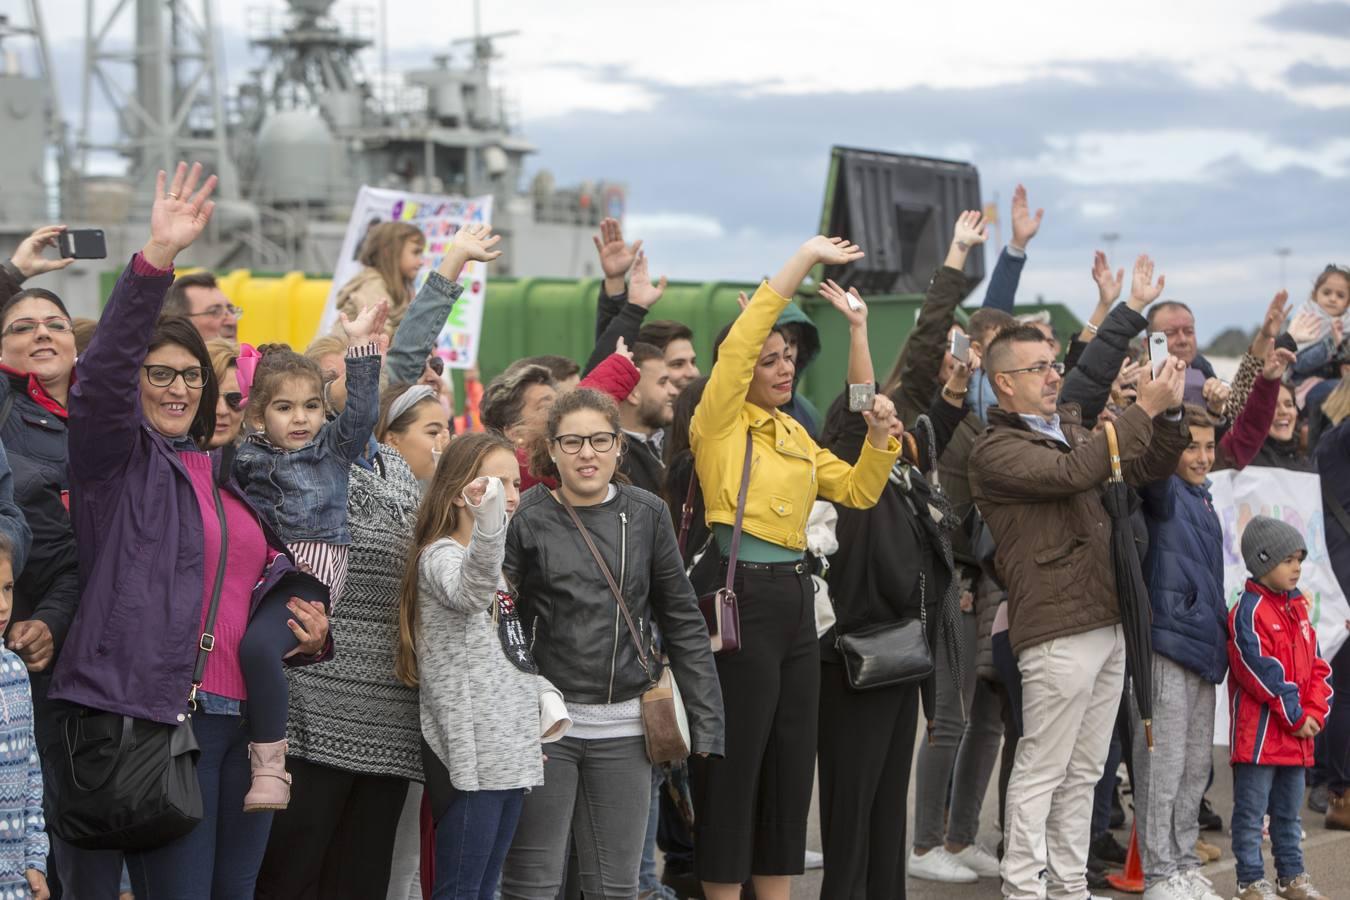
(798, 567)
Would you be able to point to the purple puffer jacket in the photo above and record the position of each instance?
(138, 530)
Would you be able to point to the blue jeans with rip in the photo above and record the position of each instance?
(1256, 791)
(220, 858)
(472, 838)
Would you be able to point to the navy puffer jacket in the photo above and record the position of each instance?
(1184, 569)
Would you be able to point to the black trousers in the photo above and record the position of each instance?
(336, 839)
(750, 807)
(866, 744)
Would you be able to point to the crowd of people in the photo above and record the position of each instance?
(368, 625)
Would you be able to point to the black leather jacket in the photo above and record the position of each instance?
(579, 638)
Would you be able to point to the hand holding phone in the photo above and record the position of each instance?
(1157, 351)
(83, 243)
(860, 397)
(960, 348)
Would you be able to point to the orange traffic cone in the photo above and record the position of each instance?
(1132, 881)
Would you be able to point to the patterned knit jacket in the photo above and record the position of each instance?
(23, 842)
(351, 712)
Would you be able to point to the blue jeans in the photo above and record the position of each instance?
(1256, 791)
(472, 838)
(648, 879)
(219, 859)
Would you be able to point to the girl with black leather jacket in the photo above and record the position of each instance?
(597, 780)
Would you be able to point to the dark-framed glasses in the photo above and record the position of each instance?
(219, 312)
(54, 324)
(601, 442)
(1041, 369)
(163, 376)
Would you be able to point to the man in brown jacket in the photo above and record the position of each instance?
(1037, 475)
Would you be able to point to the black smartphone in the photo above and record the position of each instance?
(83, 243)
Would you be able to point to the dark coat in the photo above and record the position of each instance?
(1184, 570)
(139, 532)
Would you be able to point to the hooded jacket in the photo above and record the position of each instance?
(808, 348)
(1278, 678)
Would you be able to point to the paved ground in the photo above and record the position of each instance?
(1326, 853)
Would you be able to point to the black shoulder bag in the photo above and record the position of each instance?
(128, 783)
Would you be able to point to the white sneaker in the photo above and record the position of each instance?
(1174, 888)
(815, 860)
(939, 865)
(1201, 887)
(978, 860)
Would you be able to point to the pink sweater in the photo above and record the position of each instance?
(248, 558)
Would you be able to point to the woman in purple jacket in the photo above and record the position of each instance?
(152, 514)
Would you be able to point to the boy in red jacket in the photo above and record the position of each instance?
(1279, 693)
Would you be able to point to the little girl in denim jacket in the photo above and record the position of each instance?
(294, 468)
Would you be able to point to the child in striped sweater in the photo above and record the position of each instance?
(23, 840)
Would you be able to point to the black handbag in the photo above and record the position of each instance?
(128, 783)
(891, 654)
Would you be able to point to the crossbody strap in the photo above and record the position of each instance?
(609, 578)
(207, 642)
(1337, 510)
(686, 511)
(740, 514)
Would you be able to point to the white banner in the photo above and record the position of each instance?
(439, 218)
(1294, 498)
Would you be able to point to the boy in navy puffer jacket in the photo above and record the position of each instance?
(1280, 693)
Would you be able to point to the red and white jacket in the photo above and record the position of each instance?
(1277, 678)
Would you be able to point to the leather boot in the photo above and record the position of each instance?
(271, 782)
(1338, 811)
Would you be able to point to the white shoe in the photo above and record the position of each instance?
(1174, 888)
(939, 865)
(1201, 887)
(978, 860)
(815, 860)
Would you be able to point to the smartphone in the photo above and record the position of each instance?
(83, 243)
(853, 303)
(1157, 351)
(860, 397)
(960, 348)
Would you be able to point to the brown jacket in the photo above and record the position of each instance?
(1042, 503)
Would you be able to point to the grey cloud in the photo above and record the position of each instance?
(1320, 18)
(1307, 74)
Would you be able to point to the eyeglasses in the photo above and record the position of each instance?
(219, 312)
(163, 376)
(54, 324)
(601, 442)
(1041, 369)
(233, 399)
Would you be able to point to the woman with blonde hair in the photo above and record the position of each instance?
(391, 256)
(230, 400)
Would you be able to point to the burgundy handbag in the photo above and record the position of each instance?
(720, 609)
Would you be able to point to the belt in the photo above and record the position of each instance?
(798, 567)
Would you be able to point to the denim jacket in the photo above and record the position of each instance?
(303, 493)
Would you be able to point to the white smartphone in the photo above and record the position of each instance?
(960, 348)
(1157, 351)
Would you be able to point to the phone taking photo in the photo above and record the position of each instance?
(83, 243)
(1157, 351)
(960, 348)
(860, 397)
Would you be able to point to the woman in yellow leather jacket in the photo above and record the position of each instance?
(751, 806)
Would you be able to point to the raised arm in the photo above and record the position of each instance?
(416, 336)
(1244, 440)
(28, 260)
(1262, 346)
(642, 295)
(105, 416)
(616, 258)
(465, 579)
(350, 431)
(1002, 290)
(724, 396)
(850, 305)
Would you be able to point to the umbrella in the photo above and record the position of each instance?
(1136, 614)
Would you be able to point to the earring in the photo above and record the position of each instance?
(554, 459)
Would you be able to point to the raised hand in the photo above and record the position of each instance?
(1276, 314)
(970, 229)
(833, 251)
(1024, 224)
(880, 419)
(742, 300)
(475, 490)
(178, 215)
(1159, 394)
(621, 349)
(616, 257)
(1305, 328)
(1143, 289)
(855, 312)
(1108, 286)
(1277, 363)
(369, 323)
(641, 291)
(476, 242)
(28, 258)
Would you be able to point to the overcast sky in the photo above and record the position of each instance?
(1205, 133)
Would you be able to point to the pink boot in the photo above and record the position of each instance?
(271, 782)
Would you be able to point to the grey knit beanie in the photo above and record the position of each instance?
(1266, 542)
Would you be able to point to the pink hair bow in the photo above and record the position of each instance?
(245, 364)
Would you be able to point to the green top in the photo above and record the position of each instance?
(753, 549)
